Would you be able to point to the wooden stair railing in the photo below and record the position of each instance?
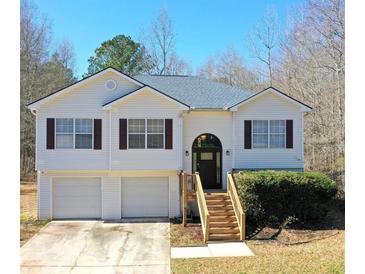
(237, 207)
(221, 214)
(202, 205)
(188, 187)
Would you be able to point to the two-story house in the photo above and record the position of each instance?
(112, 146)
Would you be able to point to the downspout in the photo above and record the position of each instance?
(110, 139)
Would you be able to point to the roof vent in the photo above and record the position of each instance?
(110, 84)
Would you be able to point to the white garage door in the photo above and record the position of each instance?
(76, 198)
(145, 197)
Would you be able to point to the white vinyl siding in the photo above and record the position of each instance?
(145, 197)
(91, 96)
(76, 198)
(44, 196)
(111, 197)
(146, 105)
(269, 107)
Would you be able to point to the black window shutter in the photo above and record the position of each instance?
(97, 133)
(289, 133)
(50, 133)
(248, 129)
(122, 133)
(168, 134)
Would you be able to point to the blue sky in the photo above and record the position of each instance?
(202, 27)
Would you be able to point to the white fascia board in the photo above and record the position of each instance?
(37, 104)
(303, 108)
(141, 90)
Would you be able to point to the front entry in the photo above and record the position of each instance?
(207, 160)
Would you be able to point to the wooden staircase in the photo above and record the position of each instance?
(221, 214)
(222, 221)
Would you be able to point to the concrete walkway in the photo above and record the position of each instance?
(227, 249)
(98, 247)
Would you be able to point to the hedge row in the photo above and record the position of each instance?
(273, 197)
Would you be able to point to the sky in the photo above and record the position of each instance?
(202, 27)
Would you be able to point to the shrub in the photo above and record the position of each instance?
(274, 197)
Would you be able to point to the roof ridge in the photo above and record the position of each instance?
(167, 75)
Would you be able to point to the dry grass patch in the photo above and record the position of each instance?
(29, 225)
(319, 256)
(191, 235)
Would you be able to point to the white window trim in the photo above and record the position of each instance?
(268, 134)
(74, 134)
(146, 133)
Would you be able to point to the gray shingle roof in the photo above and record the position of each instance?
(195, 91)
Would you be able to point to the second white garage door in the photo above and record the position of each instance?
(76, 198)
(145, 197)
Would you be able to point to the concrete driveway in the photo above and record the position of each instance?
(98, 247)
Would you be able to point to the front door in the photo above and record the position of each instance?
(207, 153)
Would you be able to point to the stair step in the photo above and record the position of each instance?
(221, 213)
(220, 206)
(220, 230)
(224, 236)
(225, 224)
(217, 197)
(224, 218)
(222, 201)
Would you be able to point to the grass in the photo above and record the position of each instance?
(321, 256)
(191, 235)
(299, 250)
(29, 224)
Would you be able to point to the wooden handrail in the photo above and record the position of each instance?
(240, 215)
(188, 190)
(202, 205)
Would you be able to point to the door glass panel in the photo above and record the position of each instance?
(218, 168)
(194, 162)
(206, 156)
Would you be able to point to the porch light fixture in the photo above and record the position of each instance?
(186, 153)
(228, 153)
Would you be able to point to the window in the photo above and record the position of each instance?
(64, 133)
(136, 133)
(144, 133)
(260, 133)
(268, 133)
(83, 133)
(277, 134)
(155, 133)
(74, 133)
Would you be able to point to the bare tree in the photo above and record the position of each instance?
(312, 68)
(34, 42)
(161, 47)
(40, 74)
(263, 42)
(229, 68)
(66, 54)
